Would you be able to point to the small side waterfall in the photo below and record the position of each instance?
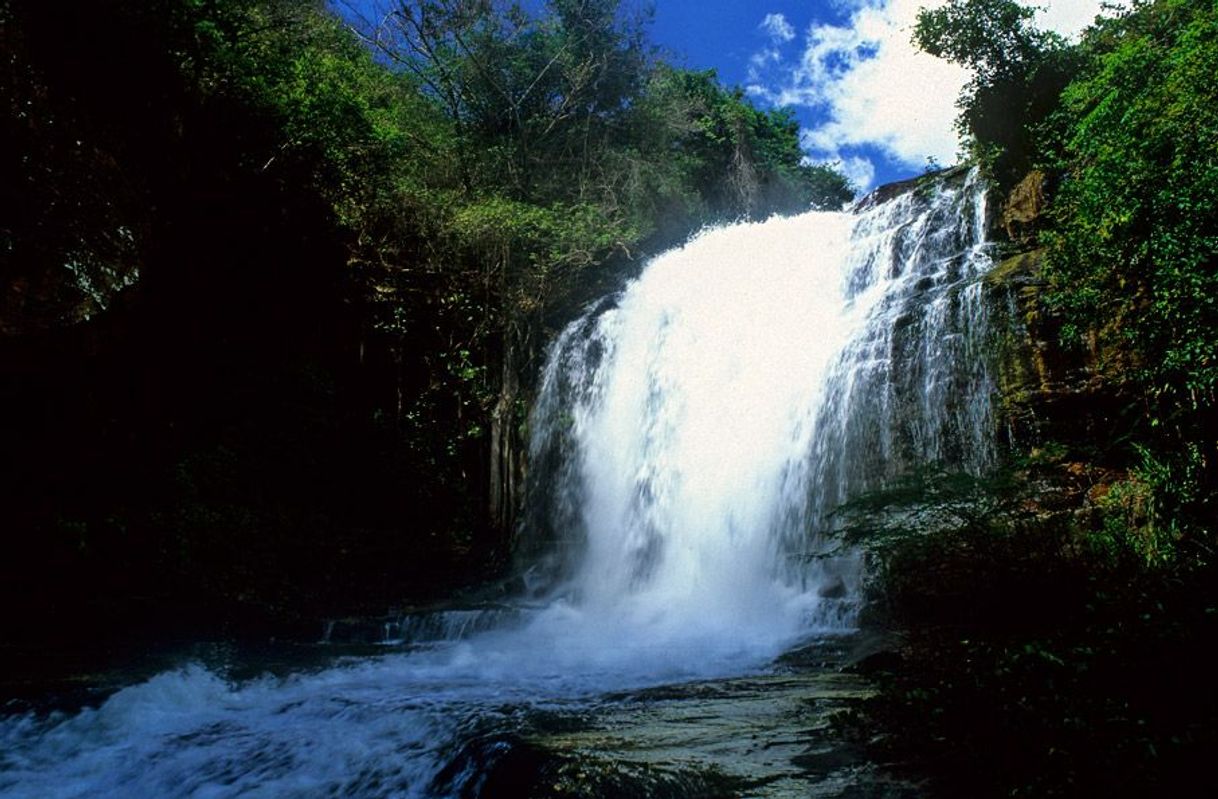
(693, 434)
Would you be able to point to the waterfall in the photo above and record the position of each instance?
(694, 434)
(691, 439)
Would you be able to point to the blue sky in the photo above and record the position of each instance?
(867, 100)
(724, 34)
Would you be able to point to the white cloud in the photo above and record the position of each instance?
(871, 87)
(1070, 17)
(759, 60)
(777, 28)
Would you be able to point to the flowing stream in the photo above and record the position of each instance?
(687, 607)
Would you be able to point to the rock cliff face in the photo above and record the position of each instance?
(1050, 394)
(1022, 211)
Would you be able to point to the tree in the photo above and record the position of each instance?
(534, 96)
(1018, 74)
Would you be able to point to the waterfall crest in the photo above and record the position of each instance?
(693, 434)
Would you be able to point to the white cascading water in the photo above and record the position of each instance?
(690, 441)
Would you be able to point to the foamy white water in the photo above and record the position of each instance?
(695, 397)
(690, 440)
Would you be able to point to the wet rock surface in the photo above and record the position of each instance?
(1049, 393)
(769, 735)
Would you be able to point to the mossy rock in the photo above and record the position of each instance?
(1048, 391)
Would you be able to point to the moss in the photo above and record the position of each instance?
(1018, 269)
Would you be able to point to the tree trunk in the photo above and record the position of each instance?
(505, 465)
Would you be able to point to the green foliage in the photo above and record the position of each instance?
(1139, 517)
(533, 98)
(740, 160)
(1134, 252)
(995, 38)
(1110, 699)
(1043, 643)
(1137, 235)
(934, 537)
(566, 107)
(1063, 619)
(508, 156)
(361, 136)
(1018, 73)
